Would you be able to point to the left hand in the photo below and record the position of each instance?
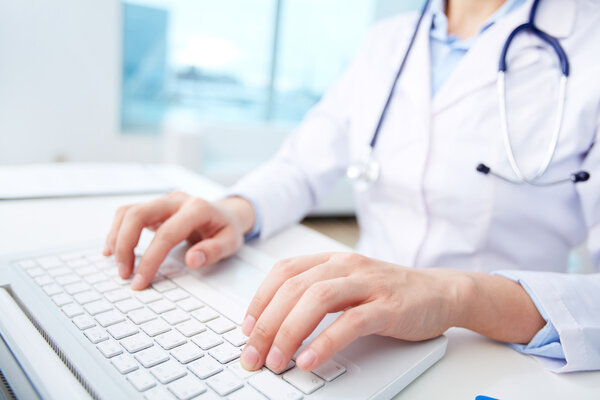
(376, 297)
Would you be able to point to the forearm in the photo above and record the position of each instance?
(498, 308)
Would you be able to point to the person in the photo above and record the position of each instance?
(441, 245)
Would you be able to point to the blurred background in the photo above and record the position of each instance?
(212, 85)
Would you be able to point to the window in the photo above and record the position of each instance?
(236, 61)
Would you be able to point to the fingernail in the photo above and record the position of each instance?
(106, 251)
(248, 325)
(275, 359)
(249, 358)
(198, 259)
(306, 359)
(122, 270)
(138, 282)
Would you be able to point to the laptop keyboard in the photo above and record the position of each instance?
(163, 340)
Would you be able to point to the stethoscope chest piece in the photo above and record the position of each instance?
(365, 172)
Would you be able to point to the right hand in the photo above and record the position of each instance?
(217, 229)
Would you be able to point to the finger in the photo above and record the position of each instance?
(177, 228)
(284, 300)
(281, 272)
(208, 251)
(363, 320)
(320, 299)
(134, 221)
(111, 238)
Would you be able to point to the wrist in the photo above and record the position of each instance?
(462, 295)
(241, 210)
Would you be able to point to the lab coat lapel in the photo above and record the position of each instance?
(414, 85)
(479, 67)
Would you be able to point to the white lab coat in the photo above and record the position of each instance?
(430, 208)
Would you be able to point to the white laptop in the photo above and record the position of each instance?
(71, 328)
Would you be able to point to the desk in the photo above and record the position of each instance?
(473, 364)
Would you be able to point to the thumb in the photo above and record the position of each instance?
(210, 250)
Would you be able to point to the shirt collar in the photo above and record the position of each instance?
(439, 25)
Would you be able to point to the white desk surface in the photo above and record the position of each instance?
(473, 364)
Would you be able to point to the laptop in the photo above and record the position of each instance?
(72, 328)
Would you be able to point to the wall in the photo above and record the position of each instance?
(59, 83)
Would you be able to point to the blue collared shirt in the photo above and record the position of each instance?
(447, 50)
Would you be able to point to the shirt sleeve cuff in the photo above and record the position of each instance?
(546, 343)
(255, 231)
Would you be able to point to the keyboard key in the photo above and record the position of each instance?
(307, 382)
(120, 281)
(37, 271)
(96, 256)
(189, 304)
(152, 356)
(72, 310)
(187, 353)
(225, 383)
(96, 335)
(170, 340)
(220, 325)
(290, 364)
(95, 278)
(161, 306)
(155, 327)
(66, 279)
(176, 294)
(191, 328)
(44, 280)
(245, 393)
(163, 285)
(117, 295)
(77, 263)
(273, 387)
(97, 307)
(329, 370)
(109, 318)
(106, 286)
(27, 264)
(141, 380)
(135, 343)
(187, 387)
(49, 262)
(236, 337)
(54, 272)
(225, 353)
(207, 340)
(61, 299)
(140, 316)
(240, 371)
(148, 296)
(205, 367)
(205, 314)
(124, 363)
(52, 289)
(77, 287)
(175, 317)
(122, 330)
(128, 305)
(87, 297)
(109, 348)
(168, 371)
(83, 322)
(158, 393)
(87, 270)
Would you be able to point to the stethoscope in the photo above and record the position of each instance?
(366, 170)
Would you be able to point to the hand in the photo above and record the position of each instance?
(217, 229)
(375, 297)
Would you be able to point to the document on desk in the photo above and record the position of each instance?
(39, 181)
